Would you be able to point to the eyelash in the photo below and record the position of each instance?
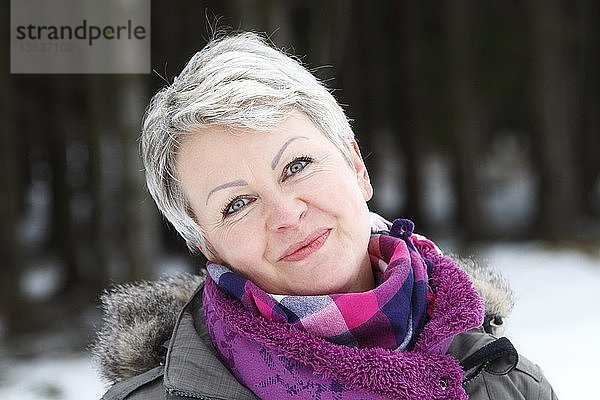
(305, 159)
(225, 211)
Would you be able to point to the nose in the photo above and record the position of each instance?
(285, 211)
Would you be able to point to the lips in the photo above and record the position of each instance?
(304, 248)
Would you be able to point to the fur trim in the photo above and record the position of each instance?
(455, 296)
(495, 290)
(138, 319)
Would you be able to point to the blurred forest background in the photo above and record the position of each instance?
(478, 119)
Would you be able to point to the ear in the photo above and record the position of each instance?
(362, 175)
(209, 253)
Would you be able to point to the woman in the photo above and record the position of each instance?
(307, 294)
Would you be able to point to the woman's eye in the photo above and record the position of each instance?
(235, 205)
(296, 166)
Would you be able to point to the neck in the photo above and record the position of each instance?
(365, 280)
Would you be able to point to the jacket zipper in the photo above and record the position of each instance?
(181, 393)
(478, 372)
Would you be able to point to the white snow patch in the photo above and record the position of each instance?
(554, 321)
(64, 378)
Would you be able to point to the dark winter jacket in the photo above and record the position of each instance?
(154, 351)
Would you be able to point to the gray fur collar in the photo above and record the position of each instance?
(139, 318)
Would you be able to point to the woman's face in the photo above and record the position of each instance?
(283, 208)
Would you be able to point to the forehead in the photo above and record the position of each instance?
(216, 153)
(227, 144)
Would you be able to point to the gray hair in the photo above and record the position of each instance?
(236, 81)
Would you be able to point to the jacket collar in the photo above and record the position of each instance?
(192, 366)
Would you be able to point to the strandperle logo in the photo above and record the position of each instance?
(82, 32)
(80, 36)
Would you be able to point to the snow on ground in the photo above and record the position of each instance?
(554, 324)
(56, 378)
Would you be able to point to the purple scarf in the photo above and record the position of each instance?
(389, 316)
(271, 346)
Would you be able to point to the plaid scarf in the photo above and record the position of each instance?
(389, 316)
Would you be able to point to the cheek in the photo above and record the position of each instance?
(340, 193)
(238, 245)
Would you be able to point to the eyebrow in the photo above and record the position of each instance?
(239, 182)
(282, 149)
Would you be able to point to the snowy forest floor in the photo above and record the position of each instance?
(553, 323)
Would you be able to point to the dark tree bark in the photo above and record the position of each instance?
(140, 223)
(467, 117)
(556, 127)
(63, 236)
(98, 113)
(403, 19)
(366, 92)
(589, 143)
(11, 257)
(324, 27)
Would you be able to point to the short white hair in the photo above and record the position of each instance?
(236, 81)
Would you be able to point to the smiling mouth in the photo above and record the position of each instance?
(301, 250)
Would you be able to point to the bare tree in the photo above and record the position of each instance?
(366, 93)
(99, 233)
(62, 237)
(556, 127)
(10, 247)
(140, 222)
(405, 40)
(467, 116)
(588, 15)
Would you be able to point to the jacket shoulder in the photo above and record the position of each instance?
(505, 377)
(525, 381)
(147, 386)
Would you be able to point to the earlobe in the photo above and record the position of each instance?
(205, 253)
(362, 175)
(367, 189)
(209, 253)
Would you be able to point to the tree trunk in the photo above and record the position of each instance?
(404, 50)
(556, 128)
(10, 247)
(63, 236)
(589, 145)
(327, 33)
(99, 233)
(367, 65)
(467, 118)
(140, 220)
